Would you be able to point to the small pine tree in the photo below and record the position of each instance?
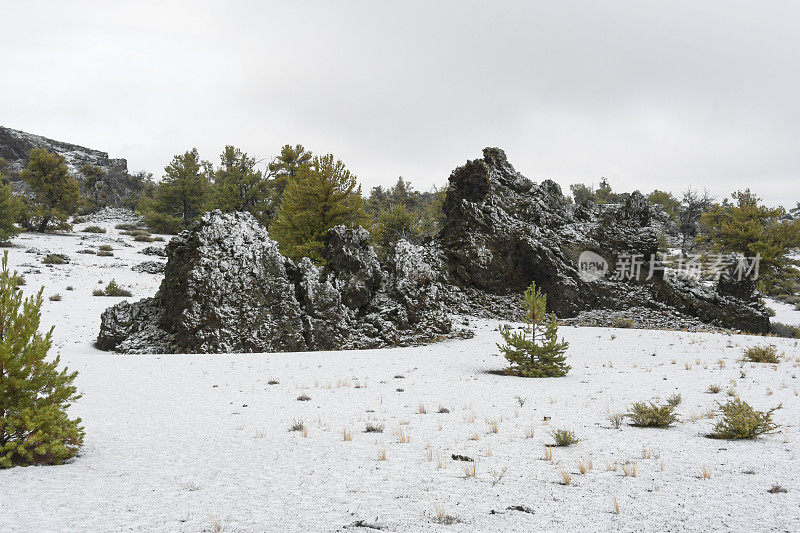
(34, 394)
(534, 351)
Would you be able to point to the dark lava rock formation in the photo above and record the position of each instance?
(503, 231)
(16, 146)
(227, 289)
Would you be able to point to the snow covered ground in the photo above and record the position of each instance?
(193, 442)
(784, 313)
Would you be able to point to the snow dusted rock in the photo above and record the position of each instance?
(149, 267)
(503, 231)
(227, 288)
(158, 251)
(352, 264)
(118, 215)
(135, 328)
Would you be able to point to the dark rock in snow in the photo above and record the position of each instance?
(227, 288)
(149, 267)
(158, 251)
(503, 231)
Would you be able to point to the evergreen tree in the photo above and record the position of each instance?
(284, 168)
(56, 193)
(10, 209)
(583, 194)
(667, 201)
(534, 351)
(693, 205)
(397, 222)
(239, 187)
(750, 228)
(95, 184)
(323, 194)
(181, 196)
(34, 394)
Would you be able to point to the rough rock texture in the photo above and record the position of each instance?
(503, 231)
(227, 288)
(149, 267)
(16, 146)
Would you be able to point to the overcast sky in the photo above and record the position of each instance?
(648, 94)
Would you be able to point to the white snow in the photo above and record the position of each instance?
(178, 442)
(784, 313)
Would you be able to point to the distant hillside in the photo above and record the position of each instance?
(16, 146)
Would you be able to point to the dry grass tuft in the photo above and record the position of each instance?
(471, 470)
(566, 478)
(615, 503)
(402, 436)
(706, 473)
(585, 468)
(629, 470)
(382, 455)
(347, 435)
(422, 409)
(493, 426)
(529, 432)
(548, 454)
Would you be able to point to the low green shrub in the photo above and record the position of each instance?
(112, 289)
(713, 389)
(127, 227)
(55, 259)
(620, 322)
(105, 253)
(143, 238)
(761, 354)
(55, 298)
(651, 415)
(674, 400)
(741, 421)
(93, 229)
(105, 248)
(565, 437)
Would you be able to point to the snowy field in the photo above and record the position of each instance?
(203, 443)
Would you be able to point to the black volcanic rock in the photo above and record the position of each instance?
(503, 231)
(227, 288)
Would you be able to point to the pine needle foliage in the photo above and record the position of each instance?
(651, 415)
(741, 421)
(322, 195)
(34, 393)
(535, 351)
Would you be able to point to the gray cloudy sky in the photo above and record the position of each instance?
(648, 94)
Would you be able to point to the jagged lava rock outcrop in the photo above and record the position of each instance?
(227, 289)
(503, 231)
(16, 146)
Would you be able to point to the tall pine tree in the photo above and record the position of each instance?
(56, 194)
(10, 209)
(534, 351)
(283, 169)
(181, 196)
(34, 393)
(238, 186)
(322, 195)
